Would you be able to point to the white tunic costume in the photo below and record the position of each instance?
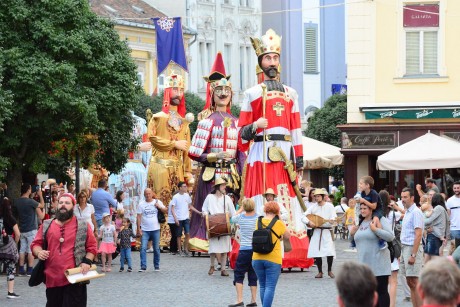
(215, 205)
(321, 244)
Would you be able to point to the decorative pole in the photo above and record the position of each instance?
(264, 101)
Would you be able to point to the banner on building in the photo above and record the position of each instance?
(170, 42)
(340, 89)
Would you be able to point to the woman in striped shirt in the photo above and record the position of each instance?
(247, 222)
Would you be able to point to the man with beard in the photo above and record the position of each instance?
(169, 133)
(71, 243)
(215, 146)
(270, 118)
(453, 208)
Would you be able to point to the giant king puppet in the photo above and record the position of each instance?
(214, 145)
(270, 120)
(169, 133)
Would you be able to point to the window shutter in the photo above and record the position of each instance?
(430, 52)
(413, 53)
(311, 53)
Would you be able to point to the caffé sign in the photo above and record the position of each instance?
(359, 140)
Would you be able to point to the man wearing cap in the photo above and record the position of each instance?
(269, 195)
(217, 203)
(169, 133)
(214, 145)
(321, 244)
(71, 243)
(278, 126)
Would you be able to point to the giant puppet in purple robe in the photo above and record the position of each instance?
(214, 146)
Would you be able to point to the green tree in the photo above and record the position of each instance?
(193, 103)
(70, 76)
(322, 126)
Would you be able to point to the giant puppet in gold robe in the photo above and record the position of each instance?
(169, 133)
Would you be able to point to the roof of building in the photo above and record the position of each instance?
(126, 11)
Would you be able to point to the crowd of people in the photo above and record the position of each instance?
(422, 230)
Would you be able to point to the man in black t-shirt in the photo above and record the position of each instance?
(28, 212)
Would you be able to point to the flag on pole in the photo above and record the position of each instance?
(170, 42)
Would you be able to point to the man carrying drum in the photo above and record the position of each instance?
(219, 208)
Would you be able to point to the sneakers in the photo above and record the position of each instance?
(142, 270)
(121, 270)
(29, 271)
(382, 244)
(156, 270)
(129, 270)
(12, 295)
(150, 250)
(22, 271)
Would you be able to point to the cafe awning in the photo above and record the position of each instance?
(411, 111)
(317, 154)
(425, 152)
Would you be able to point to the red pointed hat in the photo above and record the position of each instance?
(216, 74)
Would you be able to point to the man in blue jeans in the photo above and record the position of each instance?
(149, 228)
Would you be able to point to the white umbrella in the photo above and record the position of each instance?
(425, 152)
(317, 154)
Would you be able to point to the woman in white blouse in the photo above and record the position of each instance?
(84, 211)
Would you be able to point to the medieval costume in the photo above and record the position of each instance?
(321, 244)
(283, 136)
(168, 165)
(216, 133)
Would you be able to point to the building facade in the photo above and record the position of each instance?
(133, 24)
(403, 82)
(221, 25)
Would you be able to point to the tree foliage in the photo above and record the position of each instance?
(70, 76)
(322, 126)
(194, 104)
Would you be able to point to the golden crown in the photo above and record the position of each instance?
(174, 80)
(268, 43)
(221, 82)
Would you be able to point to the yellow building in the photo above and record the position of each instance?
(133, 24)
(403, 81)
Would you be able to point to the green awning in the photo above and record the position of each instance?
(412, 114)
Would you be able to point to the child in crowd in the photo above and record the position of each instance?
(124, 239)
(371, 198)
(119, 220)
(108, 245)
(350, 215)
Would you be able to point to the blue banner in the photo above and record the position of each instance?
(339, 89)
(170, 42)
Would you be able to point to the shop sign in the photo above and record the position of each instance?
(453, 135)
(366, 140)
(413, 114)
(416, 16)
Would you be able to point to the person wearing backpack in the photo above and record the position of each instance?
(8, 247)
(268, 264)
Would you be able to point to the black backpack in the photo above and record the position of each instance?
(262, 242)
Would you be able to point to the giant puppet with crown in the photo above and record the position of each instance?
(214, 145)
(270, 121)
(169, 133)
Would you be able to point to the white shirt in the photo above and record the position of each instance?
(170, 218)
(149, 212)
(453, 204)
(85, 214)
(181, 203)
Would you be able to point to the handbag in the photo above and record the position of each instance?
(287, 245)
(160, 215)
(394, 246)
(38, 272)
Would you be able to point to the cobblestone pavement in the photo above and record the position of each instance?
(185, 282)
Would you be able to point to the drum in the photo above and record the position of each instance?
(218, 225)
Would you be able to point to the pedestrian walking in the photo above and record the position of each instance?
(108, 246)
(124, 239)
